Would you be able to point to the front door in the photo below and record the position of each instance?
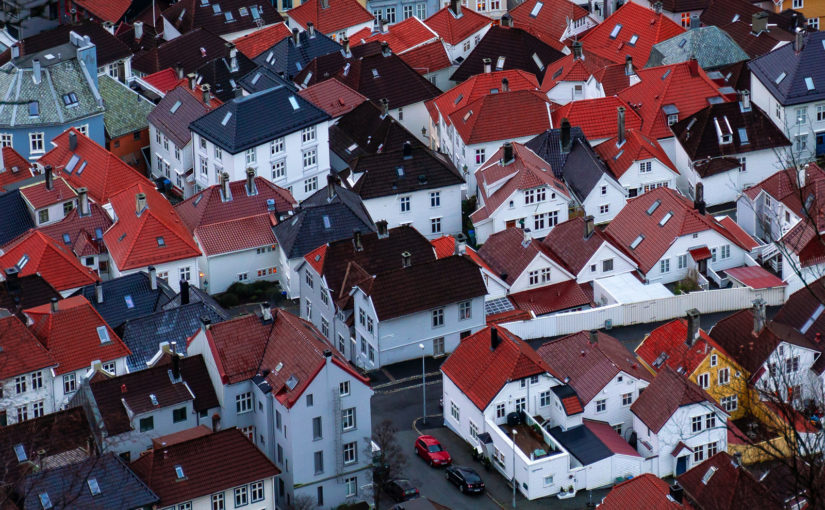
(820, 143)
(681, 465)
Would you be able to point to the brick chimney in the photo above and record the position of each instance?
(692, 326)
(495, 341)
(250, 182)
(699, 201)
(49, 177)
(455, 7)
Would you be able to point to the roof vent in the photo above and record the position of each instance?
(292, 382)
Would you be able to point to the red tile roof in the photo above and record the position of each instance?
(610, 438)
(134, 240)
(164, 80)
(243, 345)
(633, 221)
(644, 491)
(508, 254)
(597, 117)
(105, 11)
(71, 334)
(684, 85)
(551, 298)
(668, 392)
(402, 36)
(551, 21)
(332, 96)
(315, 258)
(38, 196)
(103, 173)
(568, 243)
(211, 463)
(739, 233)
(646, 26)
(445, 247)
(339, 14)
(572, 405)
(427, 58)
(569, 68)
(508, 316)
(261, 40)
(784, 186)
(755, 277)
(637, 147)
(43, 255)
(478, 86)
(217, 238)
(720, 483)
(480, 373)
(15, 167)
(526, 171)
(81, 230)
(668, 344)
(20, 351)
(453, 30)
(503, 116)
(590, 367)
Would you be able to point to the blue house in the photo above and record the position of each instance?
(393, 11)
(46, 93)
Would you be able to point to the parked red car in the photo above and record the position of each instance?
(429, 449)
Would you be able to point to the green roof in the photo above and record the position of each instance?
(126, 110)
(712, 47)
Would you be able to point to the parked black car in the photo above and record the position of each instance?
(402, 490)
(466, 479)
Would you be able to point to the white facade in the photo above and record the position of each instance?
(28, 395)
(298, 161)
(66, 385)
(173, 272)
(676, 262)
(413, 117)
(788, 373)
(566, 91)
(205, 502)
(432, 212)
(52, 213)
(465, 46)
(647, 174)
(605, 262)
(287, 274)
(247, 266)
(170, 161)
(541, 264)
(539, 214)
(605, 200)
(612, 403)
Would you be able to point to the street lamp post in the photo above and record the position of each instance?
(514, 467)
(423, 386)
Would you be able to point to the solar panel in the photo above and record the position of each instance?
(499, 305)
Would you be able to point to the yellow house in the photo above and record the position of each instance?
(813, 10)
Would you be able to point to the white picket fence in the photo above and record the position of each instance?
(626, 314)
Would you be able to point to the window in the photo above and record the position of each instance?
(407, 11)
(672, 119)
(177, 154)
(798, 4)
(36, 143)
(627, 399)
(218, 501)
(607, 265)
(308, 278)
(604, 208)
(455, 412)
(465, 310)
(250, 156)
(43, 216)
(241, 496)
(243, 403)
(319, 462)
(683, 261)
(500, 410)
(69, 383)
(685, 19)
(242, 277)
(351, 487)
(645, 167)
(257, 491)
(204, 166)
(371, 354)
(801, 142)
(699, 453)
(390, 15)
(521, 403)
(730, 403)
(147, 424)
(311, 184)
(348, 418)
(710, 421)
(724, 251)
(5, 140)
(438, 317)
(37, 380)
(343, 388)
(713, 449)
(723, 376)
(696, 424)
(820, 116)
(792, 364)
(179, 415)
(703, 380)
(801, 115)
(350, 452)
(20, 384)
(317, 429)
(467, 45)
(308, 134)
(552, 218)
(664, 266)
(324, 327)
(405, 204)
(535, 195)
(435, 225)
(435, 199)
(67, 207)
(533, 277)
(813, 23)
(480, 156)
(185, 273)
(601, 406)
(22, 413)
(310, 158)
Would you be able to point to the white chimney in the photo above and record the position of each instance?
(138, 30)
(36, 71)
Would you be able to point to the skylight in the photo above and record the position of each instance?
(175, 107)
(538, 62)
(45, 501)
(34, 108)
(67, 239)
(292, 382)
(327, 224)
(82, 167)
(743, 136)
(94, 487)
(226, 118)
(809, 83)
(665, 218)
(636, 242)
(375, 73)
(72, 163)
(682, 43)
(781, 77)
(23, 261)
(70, 99)
(20, 452)
(536, 9)
(98, 233)
(293, 102)
(500, 63)
(161, 241)
(400, 171)
(458, 99)
(103, 334)
(256, 78)
(813, 318)
(655, 205)
(255, 13)
(243, 11)
(633, 40)
(204, 3)
(299, 66)
(228, 16)
(735, 18)
(130, 303)
(216, 9)
(468, 115)
(667, 73)
(710, 472)
(615, 32)
(179, 472)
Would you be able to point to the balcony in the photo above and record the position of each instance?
(533, 441)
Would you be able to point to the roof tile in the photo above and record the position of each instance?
(35, 252)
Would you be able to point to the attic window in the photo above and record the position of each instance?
(243, 11)
(327, 224)
(67, 239)
(458, 99)
(665, 218)
(94, 487)
(293, 102)
(809, 83)
(98, 233)
(161, 241)
(20, 452)
(179, 472)
(72, 163)
(255, 13)
(34, 109)
(468, 115)
(216, 9)
(375, 73)
(22, 262)
(615, 32)
(812, 319)
(229, 17)
(710, 472)
(655, 205)
(726, 138)
(400, 171)
(175, 107)
(781, 77)
(103, 334)
(538, 62)
(743, 136)
(500, 63)
(256, 78)
(636, 242)
(292, 382)
(633, 40)
(70, 99)
(667, 73)
(226, 118)
(45, 501)
(130, 303)
(536, 9)
(558, 73)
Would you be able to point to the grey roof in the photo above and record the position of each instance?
(796, 70)
(249, 121)
(219, 74)
(144, 335)
(60, 75)
(114, 308)
(176, 125)
(712, 47)
(15, 218)
(287, 59)
(196, 295)
(582, 443)
(307, 230)
(69, 487)
(262, 78)
(548, 146)
(126, 110)
(580, 169)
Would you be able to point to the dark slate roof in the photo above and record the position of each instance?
(245, 122)
(698, 137)
(582, 443)
(114, 309)
(580, 169)
(262, 78)
(515, 45)
(389, 173)
(187, 15)
(722, 12)
(287, 59)
(68, 486)
(176, 125)
(306, 230)
(15, 219)
(218, 73)
(548, 147)
(144, 335)
(109, 48)
(364, 130)
(798, 68)
(330, 64)
(711, 46)
(196, 295)
(25, 292)
(185, 49)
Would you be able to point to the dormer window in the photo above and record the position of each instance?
(34, 108)
(672, 119)
(94, 487)
(672, 114)
(70, 99)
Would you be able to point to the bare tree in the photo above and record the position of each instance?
(389, 459)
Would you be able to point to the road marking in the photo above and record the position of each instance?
(388, 374)
(396, 390)
(439, 415)
(407, 379)
(494, 500)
